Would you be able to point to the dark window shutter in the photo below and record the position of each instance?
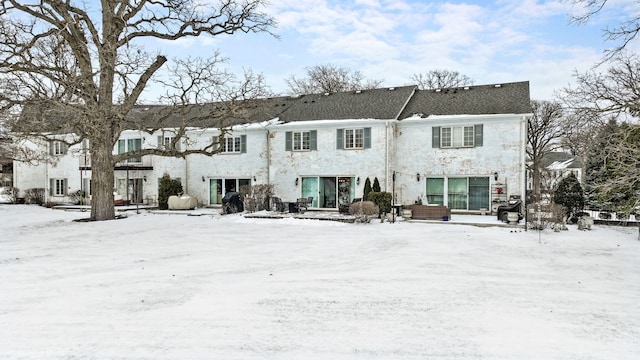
(478, 135)
(160, 142)
(52, 184)
(243, 143)
(367, 138)
(215, 145)
(63, 148)
(287, 141)
(50, 147)
(340, 139)
(313, 140)
(64, 187)
(435, 136)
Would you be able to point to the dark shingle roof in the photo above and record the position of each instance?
(509, 98)
(211, 115)
(384, 103)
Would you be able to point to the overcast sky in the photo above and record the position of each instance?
(489, 41)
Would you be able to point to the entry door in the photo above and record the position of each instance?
(346, 190)
(135, 191)
(310, 188)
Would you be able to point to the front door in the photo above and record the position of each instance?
(135, 191)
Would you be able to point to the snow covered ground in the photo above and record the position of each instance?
(155, 286)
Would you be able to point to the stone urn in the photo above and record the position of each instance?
(513, 217)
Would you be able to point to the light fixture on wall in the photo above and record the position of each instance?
(358, 180)
(418, 177)
(254, 178)
(144, 178)
(495, 176)
(297, 181)
(203, 179)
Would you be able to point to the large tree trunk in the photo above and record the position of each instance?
(102, 183)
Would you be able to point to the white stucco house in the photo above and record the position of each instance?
(460, 147)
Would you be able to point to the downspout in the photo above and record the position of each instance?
(268, 133)
(396, 119)
(523, 170)
(386, 153)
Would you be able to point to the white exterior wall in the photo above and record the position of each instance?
(36, 174)
(502, 152)
(401, 146)
(327, 160)
(247, 165)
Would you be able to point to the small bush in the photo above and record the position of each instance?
(77, 197)
(382, 200)
(256, 197)
(166, 188)
(364, 208)
(35, 196)
(364, 211)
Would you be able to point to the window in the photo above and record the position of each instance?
(301, 140)
(57, 148)
(457, 136)
(57, 187)
(457, 193)
(354, 138)
(128, 145)
(219, 187)
(435, 191)
(470, 193)
(164, 142)
(234, 145)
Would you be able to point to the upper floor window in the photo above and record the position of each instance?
(57, 147)
(234, 144)
(359, 138)
(165, 142)
(457, 136)
(128, 145)
(301, 140)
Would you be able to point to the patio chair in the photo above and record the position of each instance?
(302, 204)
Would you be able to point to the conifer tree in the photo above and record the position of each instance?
(367, 189)
(376, 185)
(569, 193)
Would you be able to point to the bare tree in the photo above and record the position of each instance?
(615, 96)
(87, 66)
(623, 34)
(441, 79)
(613, 93)
(329, 78)
(544, 134)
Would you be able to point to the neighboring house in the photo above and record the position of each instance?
(451, 147)
(557, 165)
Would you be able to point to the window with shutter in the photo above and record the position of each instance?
(58, 187)
(457, 136)
(234, 145)
(354, 138)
